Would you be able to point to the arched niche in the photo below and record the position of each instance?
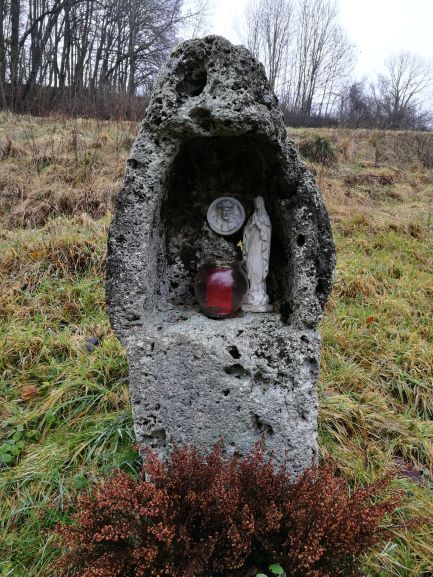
(204, 169)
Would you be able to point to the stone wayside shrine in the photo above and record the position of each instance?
(217, 209)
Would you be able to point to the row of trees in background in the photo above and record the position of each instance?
(309, 62)
(394, 101)
(306, 54)
(85, 52)
(100, 57)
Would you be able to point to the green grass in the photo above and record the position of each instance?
(79, 426)
(377, 373)
(376, 393)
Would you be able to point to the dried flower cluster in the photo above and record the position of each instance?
(216, 515)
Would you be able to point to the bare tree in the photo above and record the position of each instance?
(356, 107)
(196, 14)
(276, 32)
(15, 9)
(399, 89)
(321, 60)
(305, 52)
(87, 50)
(336, 70)
(3, 63)
(266, 30)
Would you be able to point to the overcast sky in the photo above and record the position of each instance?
(377, 28)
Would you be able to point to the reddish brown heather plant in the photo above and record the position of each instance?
(215, 515)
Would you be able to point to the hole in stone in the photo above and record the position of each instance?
(226, 392)
(259, 377)
(261, 426)
(203, 118)
(160, 435)
(133, 163)
(321, 287)
(132, 316)
(237, 370)
(187, 255)
(193, 82)
(233, 350)
(305, 339)
(300, 241)
(157, 438)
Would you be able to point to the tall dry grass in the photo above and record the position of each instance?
(64, 401)
(51, 167)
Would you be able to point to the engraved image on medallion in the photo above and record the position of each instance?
(225, 215)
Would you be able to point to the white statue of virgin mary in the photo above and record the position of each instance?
(256, 251)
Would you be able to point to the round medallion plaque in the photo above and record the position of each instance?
(226, 215)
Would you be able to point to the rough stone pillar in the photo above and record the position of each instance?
(213, 128)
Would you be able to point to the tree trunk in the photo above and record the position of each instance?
(15, 52)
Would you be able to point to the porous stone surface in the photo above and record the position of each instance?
(213, 128)
(198, 380)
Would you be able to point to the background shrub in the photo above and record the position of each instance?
(318, 149)
(212, 515)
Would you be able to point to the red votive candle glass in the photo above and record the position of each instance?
(220, 288)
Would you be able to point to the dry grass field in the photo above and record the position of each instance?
(64, 404)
